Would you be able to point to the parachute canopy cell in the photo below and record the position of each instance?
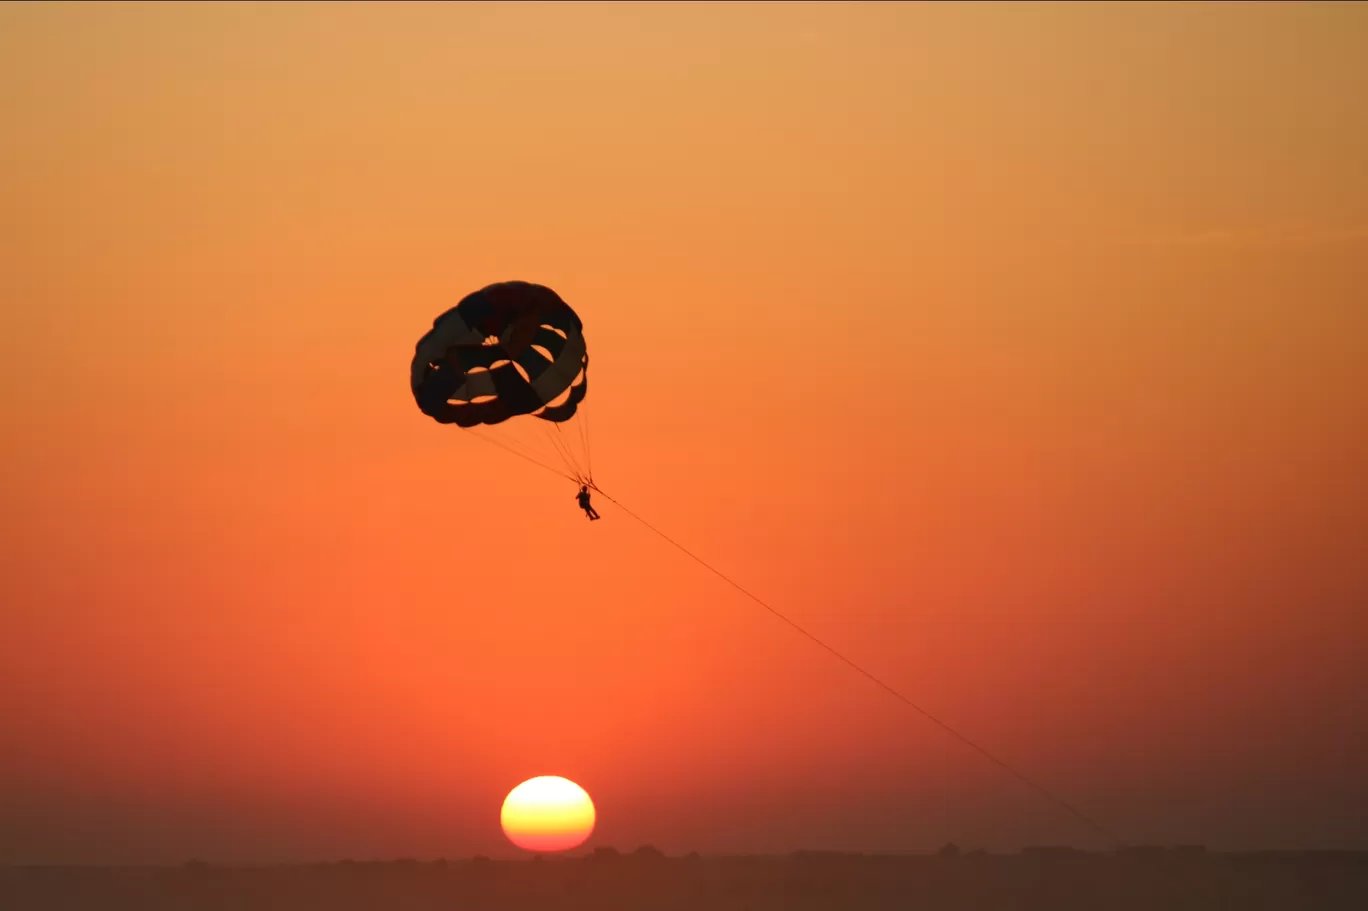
(511, 348)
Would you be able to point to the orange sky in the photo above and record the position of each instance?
(1018, 351)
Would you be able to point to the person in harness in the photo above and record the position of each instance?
(583, 498)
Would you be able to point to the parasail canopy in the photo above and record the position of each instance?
(508, 353)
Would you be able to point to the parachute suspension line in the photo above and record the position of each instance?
(584, 436)
(517, 445)
(583, 474)
(564, 447)
(553, 436)
(566, 456)
(1039, 789)
(568, 442)
(584, 447)
(521, 455)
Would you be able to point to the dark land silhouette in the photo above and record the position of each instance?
(1048, 879)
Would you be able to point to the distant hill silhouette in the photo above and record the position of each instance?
(1046, 878)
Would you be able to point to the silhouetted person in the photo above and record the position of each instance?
(583, 497)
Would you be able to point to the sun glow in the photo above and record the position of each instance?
(547, 813)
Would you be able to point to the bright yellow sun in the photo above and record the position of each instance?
(548, 813)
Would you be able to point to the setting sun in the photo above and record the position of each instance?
(548, 813)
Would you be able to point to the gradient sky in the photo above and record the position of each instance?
(1021, 352)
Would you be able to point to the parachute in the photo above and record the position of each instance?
(510, 363)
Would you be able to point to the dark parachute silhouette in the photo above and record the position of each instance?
(510, 355)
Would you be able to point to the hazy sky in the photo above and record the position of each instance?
(1020, 351)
